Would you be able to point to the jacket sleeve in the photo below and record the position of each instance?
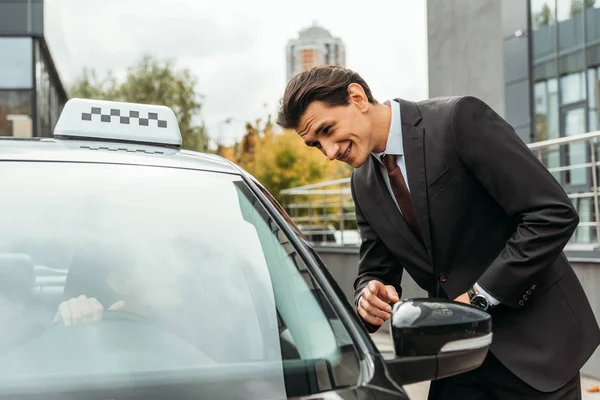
(524, 188)
(376, 262)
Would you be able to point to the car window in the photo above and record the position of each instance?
(198, 284)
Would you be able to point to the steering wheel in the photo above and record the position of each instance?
(119, 315)
(120, 341)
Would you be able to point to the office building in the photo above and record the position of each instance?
(31, 93)
(315, 46)
(537, 63)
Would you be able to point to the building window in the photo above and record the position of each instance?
(546, 110)
(593, 20)
(572, 87)
(569, 14)
(43, 84)
(575, 153)
(572, 78)
(16, 63)
(543, 23)
(584, 232)
(547, 124)
(594, 98)
(308, 58)
(15, 113)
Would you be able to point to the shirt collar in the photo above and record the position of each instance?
(394, 143)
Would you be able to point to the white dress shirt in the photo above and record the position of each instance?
(395, 146)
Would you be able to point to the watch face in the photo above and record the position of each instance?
(480, 302)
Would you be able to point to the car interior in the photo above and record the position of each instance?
(37, 291)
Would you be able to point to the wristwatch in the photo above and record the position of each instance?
(477, 299)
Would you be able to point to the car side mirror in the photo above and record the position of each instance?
(436, 338)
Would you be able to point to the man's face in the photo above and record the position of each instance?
(344, 133)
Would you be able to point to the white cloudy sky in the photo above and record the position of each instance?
(236, 48)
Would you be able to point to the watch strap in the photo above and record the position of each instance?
(471, 292)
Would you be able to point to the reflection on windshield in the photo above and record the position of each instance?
(126, 269)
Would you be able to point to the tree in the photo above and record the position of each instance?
(281, 161)
(544, 17)
(152, 81)
(576, 7)
(89, 87)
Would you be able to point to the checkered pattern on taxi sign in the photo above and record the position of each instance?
(115, 115)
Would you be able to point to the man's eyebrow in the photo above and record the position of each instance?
(320, 127)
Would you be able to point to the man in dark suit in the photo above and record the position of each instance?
(447, 191)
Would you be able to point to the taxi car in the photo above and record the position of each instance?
(206, 288)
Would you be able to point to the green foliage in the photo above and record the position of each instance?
(152, 81)
(576, 7)
(544, 17)
(281, 161)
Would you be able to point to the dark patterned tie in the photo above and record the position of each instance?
(402, 194)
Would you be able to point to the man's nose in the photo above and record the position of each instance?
(331, 150)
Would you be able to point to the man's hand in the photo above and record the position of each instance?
(463, 298)
(374, 306)
(82, 309)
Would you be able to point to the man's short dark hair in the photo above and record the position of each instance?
(325, 83)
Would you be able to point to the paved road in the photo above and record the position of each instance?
(418, 391)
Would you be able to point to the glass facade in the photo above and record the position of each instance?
(16, 82)
(31, 94)
(16, 61)
(565, 40)
(15, 113)
(49, 103)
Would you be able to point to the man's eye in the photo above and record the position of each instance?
(326, 130)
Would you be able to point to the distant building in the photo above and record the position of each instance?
(536, 62)
(314, 46)
(31, 94)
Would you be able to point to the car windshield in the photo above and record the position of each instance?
(199, 286)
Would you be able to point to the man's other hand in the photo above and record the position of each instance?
(374, 305)
(82, 309)
(463, 298)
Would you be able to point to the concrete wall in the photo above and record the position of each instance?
(517, 85)
(465, 50)
(481, 48)
(342, 264)
(588, 273)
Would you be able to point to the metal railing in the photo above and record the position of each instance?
(325, 211)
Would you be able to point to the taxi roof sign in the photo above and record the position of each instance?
(118, 121)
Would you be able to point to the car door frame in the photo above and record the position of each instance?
(373, 370)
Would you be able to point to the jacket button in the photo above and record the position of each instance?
(529, 292)
(443, 278)
(525, 297)
(532, 287)
(521, 302)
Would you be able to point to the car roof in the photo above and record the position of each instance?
(110, 152)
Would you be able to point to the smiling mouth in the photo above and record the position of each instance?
(344, 156)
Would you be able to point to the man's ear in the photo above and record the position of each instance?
(119, 283)
(358, 97)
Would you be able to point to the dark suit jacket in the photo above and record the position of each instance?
(490, 213)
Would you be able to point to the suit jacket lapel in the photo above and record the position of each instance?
(387, 205)
(413, 137)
